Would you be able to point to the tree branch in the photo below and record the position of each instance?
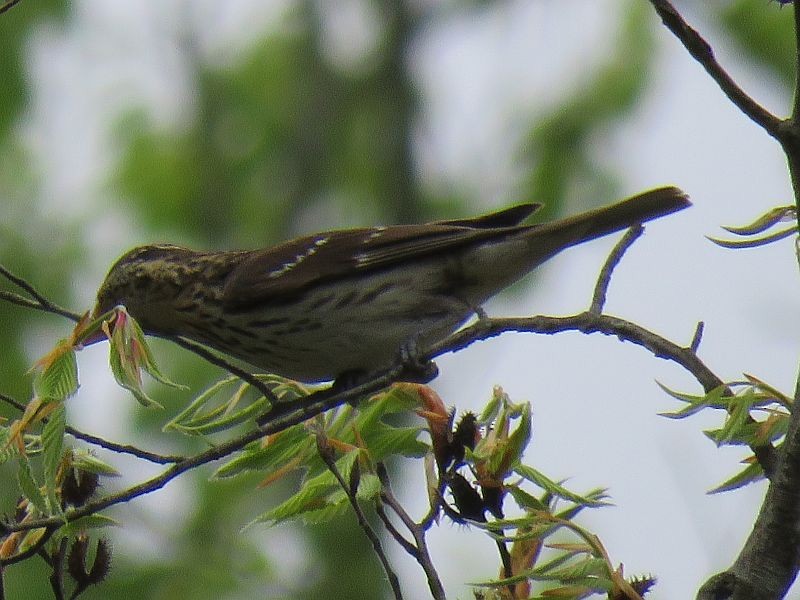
(102, 443)
(418, 550)
(704, 54)
(9, 5)
(351, 491)
(769, 561)
(604, 279)
(44, 303)
(218, 361)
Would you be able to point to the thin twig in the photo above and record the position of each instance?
(624, 330)
(160, 459)
(394, 532)
(326, 454)
(508, 568)
(56, 561)
(697, 337)
(28, 303)
(285, 415)
(8, 6)
(420, 553)
(704, 54)
(218, 361)
(604, 279)
(153, 457)
(44, 303)
(436, 506)
(20, 300)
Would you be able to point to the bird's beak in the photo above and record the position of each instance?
(100, 332)
(94, 337)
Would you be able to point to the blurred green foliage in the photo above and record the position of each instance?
(766, 37)
(562, 146)
(268, 139)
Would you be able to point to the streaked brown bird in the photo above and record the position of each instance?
(345, 302)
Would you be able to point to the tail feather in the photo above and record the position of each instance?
(608, 219)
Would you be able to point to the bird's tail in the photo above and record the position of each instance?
(592, 224)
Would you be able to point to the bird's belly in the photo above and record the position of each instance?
(349, 329)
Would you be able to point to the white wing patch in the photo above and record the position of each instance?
(310, 251)
(376, 233)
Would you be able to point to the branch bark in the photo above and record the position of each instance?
(768, 563)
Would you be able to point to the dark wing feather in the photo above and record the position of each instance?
(281, 272)
(502, 218)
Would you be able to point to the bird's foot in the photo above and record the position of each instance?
(416, 368)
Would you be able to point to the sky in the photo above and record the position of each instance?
(595, 399)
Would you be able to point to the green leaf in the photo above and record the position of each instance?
(281, 449)
(52, 450)
(554, 488)
(738, 416)
(525, 500)
(384, 440)
(195, 406)
(30, 489)
(569, 513)
(95, 521)
(85, 461)
(58, 379)
(396, 400)
(590, 572)
(6, 449)
(130, 355)
(519, 438)
(713, 399)
(754, 242)
(126, 373)
(492, 408)
(750, 474)
(149, 362)
(329, 512)
(310, 497)
(227, 421)
(574, 572)
(369, 486)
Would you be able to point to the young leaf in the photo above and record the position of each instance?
(310, 497)
(554, 488)
(130, 355)
(383, 440)
(52, 446)
(57, 378)
(30, 489)
(750, 474)
(277, 450)
(85, 461)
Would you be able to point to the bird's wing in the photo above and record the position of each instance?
(281, 272)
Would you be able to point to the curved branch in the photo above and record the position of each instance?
(702, 52)
(39, 301)
(351, 490)
(627, 331)
(102, 443)
(604, 279)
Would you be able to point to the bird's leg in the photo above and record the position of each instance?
(416, 369)
(483, 322)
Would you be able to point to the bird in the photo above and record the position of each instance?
(336, 303)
